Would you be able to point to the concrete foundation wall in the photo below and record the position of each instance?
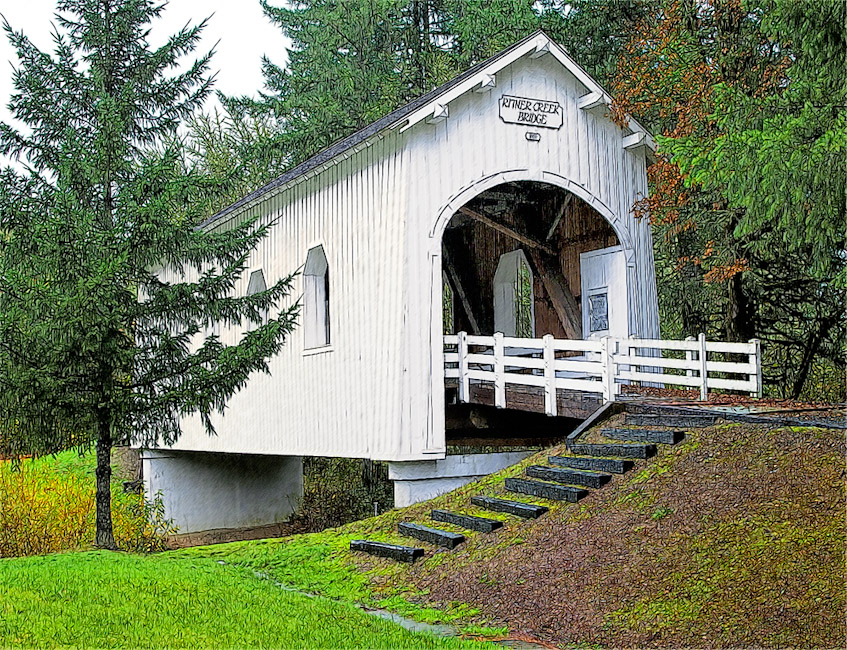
(205, 491)
(421, 480)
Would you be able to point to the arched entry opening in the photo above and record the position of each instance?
(513, 260)
(526, 259)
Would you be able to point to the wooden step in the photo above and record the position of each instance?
(552, 491)
(660, 436)
(618, 449)
(470, 522)
(525, 510)
(669, 420)
(613, 465)
(381, 549)
(431, 535)
(569, 476)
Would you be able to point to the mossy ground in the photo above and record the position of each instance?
(733, 537)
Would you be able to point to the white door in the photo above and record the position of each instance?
(604, 297)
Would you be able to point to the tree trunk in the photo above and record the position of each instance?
(104, 536)
(813, 344)
(738, 317)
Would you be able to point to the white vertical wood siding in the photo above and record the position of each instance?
(473, 149)
(377, 390)
(343, 400)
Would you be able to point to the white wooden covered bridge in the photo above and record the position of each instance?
(476, 245)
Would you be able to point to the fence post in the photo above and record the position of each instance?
(756, 360)
(704, 373)
(606, 351)
(550, 406)
(464, 381)
(499, 372)
(689, 357)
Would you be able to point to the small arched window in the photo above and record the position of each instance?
(514, 301)
(256, 284)
(316, 299)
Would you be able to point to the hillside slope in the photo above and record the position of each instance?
(734, 537)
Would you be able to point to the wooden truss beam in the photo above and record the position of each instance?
(559, 214)
(507, 230)
(560, 296)
(456, 281)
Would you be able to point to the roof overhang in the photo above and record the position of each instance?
(484, 80)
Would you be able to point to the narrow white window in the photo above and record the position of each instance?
(255, 285)
(316, 299)
(514, 300)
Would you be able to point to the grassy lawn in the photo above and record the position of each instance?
(100, 599)
(734, 536)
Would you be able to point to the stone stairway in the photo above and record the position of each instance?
(568, 478)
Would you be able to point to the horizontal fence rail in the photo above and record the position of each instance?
(599, 366)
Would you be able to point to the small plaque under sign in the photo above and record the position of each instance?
(531, 112)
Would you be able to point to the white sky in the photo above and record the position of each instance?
(242, 32)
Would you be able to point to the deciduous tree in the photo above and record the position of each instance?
(747, 100)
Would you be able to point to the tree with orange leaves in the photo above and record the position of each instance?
(690, 70)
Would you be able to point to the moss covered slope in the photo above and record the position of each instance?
(734, 537)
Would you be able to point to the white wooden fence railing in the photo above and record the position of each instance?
(600, 365)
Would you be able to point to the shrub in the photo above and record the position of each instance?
(47, 506)
(340, 490)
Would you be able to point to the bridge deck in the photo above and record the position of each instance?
(570, 403)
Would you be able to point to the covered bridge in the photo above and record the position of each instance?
(500, 202)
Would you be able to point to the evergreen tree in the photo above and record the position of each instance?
(595, 32)
(95, 348)
(779, 159)
(353, 61)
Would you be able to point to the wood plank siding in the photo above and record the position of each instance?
(379, 210)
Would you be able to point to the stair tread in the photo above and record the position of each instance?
(659, 436)
(471, 522)
(554, 491)
(678, 420)
(616, 449)
(575, 470)
(593, 463)
(383, 549)
(592, 457)
(431, 535)
(569, 475)
(525, 510)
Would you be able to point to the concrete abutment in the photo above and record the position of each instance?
(205, 491)
(421, 480)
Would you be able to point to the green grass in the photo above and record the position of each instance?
(71, 463)
(101, 599)
(318, 563)
(322, 563)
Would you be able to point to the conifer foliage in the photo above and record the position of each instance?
(95, 348)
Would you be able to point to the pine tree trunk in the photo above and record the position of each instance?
(738, 321)
(104, 536)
